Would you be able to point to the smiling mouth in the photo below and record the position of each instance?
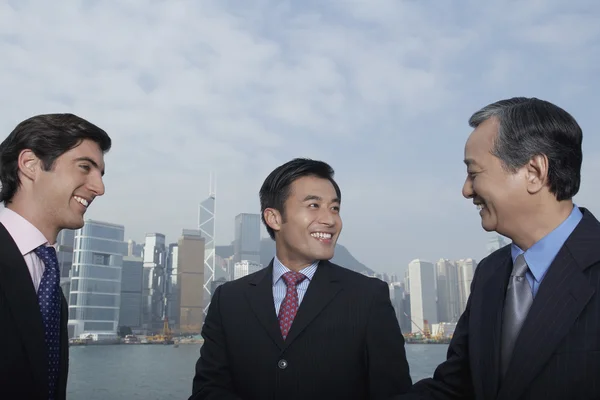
(322, 236)
(82, 201)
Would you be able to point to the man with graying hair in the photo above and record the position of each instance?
(531, 327)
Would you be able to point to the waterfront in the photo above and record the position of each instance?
(121, 372)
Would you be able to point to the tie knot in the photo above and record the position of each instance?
(47, 254)
(293, 278)
(520, 266)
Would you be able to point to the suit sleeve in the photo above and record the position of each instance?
(388, 370)
(213, 379)
(451, 379)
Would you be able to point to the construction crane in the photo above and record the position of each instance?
(166, 337)
(426, 333)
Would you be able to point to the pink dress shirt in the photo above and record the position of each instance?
(27, 237)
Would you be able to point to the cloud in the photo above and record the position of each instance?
(380, 89)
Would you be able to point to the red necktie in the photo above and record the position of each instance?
(289, 306)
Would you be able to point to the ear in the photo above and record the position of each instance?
(273, 218)
(537, 173)
(28, 164)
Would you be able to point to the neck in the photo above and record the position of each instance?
(291, 261)
(31, 213)
(540, 222)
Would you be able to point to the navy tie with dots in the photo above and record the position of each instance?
(49, 299)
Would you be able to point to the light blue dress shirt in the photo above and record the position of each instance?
(279, 287)
(541, 254)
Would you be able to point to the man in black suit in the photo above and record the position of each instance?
(51, 169)
(303, 327)
(531, 328)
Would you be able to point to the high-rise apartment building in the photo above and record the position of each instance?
(95, 295)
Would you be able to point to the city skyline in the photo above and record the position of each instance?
(380, 90)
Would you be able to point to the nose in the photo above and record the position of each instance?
(96, 184)
(328, 217)
(467, 190)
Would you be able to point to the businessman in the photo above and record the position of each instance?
(303, 327)
(531, 328)
(51, 169)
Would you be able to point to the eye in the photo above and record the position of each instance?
(85, 167)
(336, 208)
(313, 205)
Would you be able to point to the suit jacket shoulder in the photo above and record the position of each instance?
(353, 278)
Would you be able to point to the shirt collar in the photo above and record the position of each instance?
(279, 269)
(542, 253)
(26, 236)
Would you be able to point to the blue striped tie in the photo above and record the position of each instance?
(49, 299)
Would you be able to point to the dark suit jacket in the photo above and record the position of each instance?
(557, 354)
(345, 342)
(23, 353)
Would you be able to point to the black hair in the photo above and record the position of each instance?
(276, 188)
(49, 136)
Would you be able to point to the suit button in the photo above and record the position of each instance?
(282, 364)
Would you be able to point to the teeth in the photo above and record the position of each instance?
(480, 207)
(81, 200)
(321, 235)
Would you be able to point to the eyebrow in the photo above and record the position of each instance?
(469, 161)
(94, 163)
(319, 198)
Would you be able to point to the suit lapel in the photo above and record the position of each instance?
(491, 323)
(562, 296)
(260, 297)
(16, 283)
(321, 290)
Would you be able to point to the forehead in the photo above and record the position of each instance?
(312, 185)
(86, 149)
(480, 142)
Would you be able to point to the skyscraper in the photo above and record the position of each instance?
(447, 291)
(130, 313)
(423, 307)
(64, 252)
(96, 279)
(466, 270)
(173, 284)
(206, 227)
(155, 275)
(247, 238)
(190, 275)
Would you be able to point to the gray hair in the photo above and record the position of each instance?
(528, 127)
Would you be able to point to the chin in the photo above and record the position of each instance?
(74, 224)
(487, 226)
(324, 256)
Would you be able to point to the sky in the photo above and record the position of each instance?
(380, 89)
